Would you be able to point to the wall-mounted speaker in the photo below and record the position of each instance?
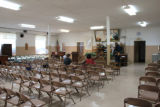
(25, 31)
(21, 35)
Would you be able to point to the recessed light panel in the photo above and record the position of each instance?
(27, 26)
(65, 19)
(97, 27)
(130, 9)
(9, 5)
(143, 23)
(65, 30)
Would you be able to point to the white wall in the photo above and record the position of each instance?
(28, 37)
(150, 34)
(71, 39)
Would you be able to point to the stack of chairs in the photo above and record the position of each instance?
(148, 89)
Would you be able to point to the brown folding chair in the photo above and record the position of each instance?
(62, 91)
(3, 96)
(147, 81)
(24, 101)
(94, 77)
(11, 97)
(136, 102)
(47, 88)
(36, 85)
(150, 93)
(65, 79)
(78, 83)
(158, 83)
(54, 77)
(45, 75)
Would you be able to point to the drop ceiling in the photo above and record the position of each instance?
(85, 12)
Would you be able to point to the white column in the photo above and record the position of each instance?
(108, 39)
(49, 36)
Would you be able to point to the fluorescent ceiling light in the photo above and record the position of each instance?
(130, 9)
(96, 27)
(9, 5)
(27, 26)
(143, 23)
(64, 30)
(65, 19)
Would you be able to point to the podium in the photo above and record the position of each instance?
(75, 56)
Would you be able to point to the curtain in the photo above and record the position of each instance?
(8, 38)
(40, 44)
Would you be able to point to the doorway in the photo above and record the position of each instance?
(139, 51)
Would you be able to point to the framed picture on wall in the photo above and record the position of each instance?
(100, 35)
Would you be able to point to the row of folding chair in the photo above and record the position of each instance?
(148, 89)
(18, 99)
(73, 81)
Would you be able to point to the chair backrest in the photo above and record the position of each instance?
(44, 82)
(137, 102)
(22, 98)
(75, 78)
(147, 81)
(58, 84)
(158, 83)
(157, 105)
(64, 76)
(9, 92)
(34, 79)
(93, 73)
(148, 92)
(153, 74)
(151, 68)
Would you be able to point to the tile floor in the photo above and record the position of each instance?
(113, 93)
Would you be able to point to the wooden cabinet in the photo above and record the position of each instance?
(123, 60)
(6, 49)
(3, 59)
(75, 56)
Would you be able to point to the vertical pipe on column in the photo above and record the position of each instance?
(48, 45)
(108, 39)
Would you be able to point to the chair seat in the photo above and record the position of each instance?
(79, 84)
(37, 103)
(13, 100)
(148, 83)
(3, 96)
(17, 81)
(95, 78)
(55, 79)
(72, 74)
(149, 95)
(102, 74)
(37, 86)
(67, 81)
(26, 84)
(82, 77)
(62, 91)
(46, 78)
(47, 89)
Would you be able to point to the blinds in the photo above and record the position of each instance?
(40, 44)
(8, 38)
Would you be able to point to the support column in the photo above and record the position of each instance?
(108, 39)
(48, 45)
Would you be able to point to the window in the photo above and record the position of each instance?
(8, 38)
(40, 43)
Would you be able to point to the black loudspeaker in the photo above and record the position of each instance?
(25, 31)
(6, 49)
(21, 35)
